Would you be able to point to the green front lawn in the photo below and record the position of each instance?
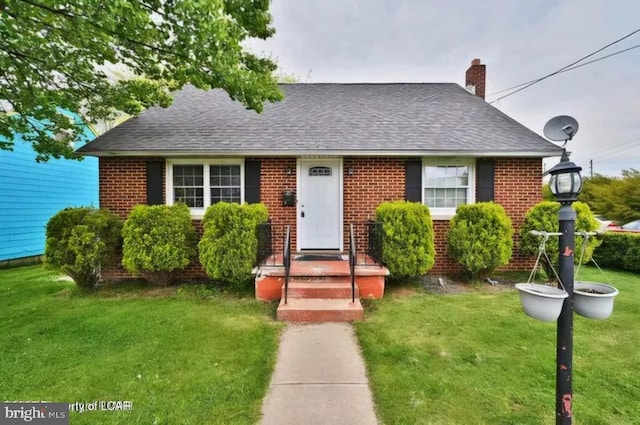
(475, 358)
(180, 359)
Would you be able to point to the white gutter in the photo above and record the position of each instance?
(316, 153)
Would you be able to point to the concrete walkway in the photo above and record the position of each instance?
(319, 379)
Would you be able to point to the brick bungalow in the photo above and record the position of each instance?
(335, 150)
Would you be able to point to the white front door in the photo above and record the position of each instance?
(319, 204)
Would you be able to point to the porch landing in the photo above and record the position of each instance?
(319, 291)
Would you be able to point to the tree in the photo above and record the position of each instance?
(53, 56)
(292, 78)
(617, 198)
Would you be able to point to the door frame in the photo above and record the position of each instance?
(333, 161)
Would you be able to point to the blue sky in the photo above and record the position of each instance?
(435, 41)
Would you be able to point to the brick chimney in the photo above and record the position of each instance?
(476, 76)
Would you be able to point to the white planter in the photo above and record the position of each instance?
(541, 302)
(593, 300)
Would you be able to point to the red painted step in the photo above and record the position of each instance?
(313, 288)
(314, 310)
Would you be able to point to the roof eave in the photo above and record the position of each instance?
(312, 152)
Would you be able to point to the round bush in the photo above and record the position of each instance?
(80, 241)
(158, 239)
(480, 238)
(408, 247)
(544, 217)
(229, 245)
(619, 251)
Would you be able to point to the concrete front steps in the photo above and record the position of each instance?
(320, 299)
(319, 291)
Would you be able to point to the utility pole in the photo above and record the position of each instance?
(591, 168)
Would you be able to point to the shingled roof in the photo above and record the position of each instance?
(327, 119)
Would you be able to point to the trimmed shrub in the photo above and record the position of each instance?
(408, 247)
(480, 238)
(544, 216)
(158, 239)
(619, 251)
(80, 241)
(229, 245)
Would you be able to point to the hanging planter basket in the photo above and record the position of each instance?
(590, 299)
(593, 300)
(541, 302)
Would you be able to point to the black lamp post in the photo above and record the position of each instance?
(565, 183)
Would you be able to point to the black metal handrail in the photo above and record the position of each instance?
(286, 261)
(374, 241)
(352, 262)
(265, 241)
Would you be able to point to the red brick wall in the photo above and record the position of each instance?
(123, 186)
(123, 183)
(517, 187)
(374, 180)
(274, 180)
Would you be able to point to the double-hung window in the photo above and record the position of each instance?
(200, 184)
(188, 185)
(225, 183)
(447, 184)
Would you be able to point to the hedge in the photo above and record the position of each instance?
(158, 239)
(408, 247)
(229, 246)
(480, 238)
(80, 241)
(619, 251)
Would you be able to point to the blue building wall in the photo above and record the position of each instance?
(31, 192)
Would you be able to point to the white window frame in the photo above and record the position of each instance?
(198, 213)
(470, 163)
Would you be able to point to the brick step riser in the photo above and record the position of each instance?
(320, 316)
(320, 279)
(319, 292)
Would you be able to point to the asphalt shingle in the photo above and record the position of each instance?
(348, 119)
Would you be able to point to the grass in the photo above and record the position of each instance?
(180, 357)
(475, 358)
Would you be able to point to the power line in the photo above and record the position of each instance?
(613, 164)
(566, 67)
(624, 144)
(629, 154)
(619, 154)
